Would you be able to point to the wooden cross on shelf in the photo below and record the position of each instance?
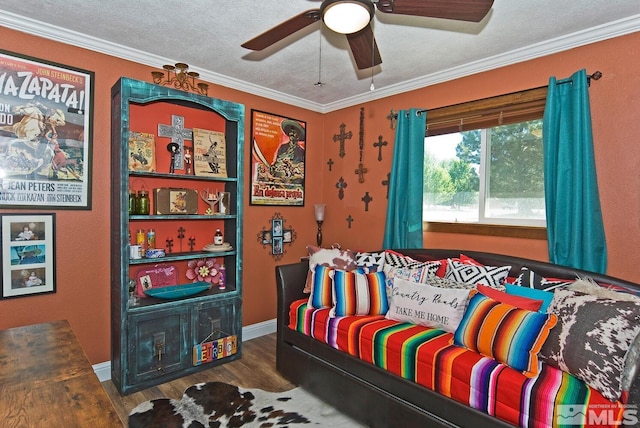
(181, 231)
(169, 242)
(178, 134)
(342, 136)
(192, 242)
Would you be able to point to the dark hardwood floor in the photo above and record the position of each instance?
(256, 369)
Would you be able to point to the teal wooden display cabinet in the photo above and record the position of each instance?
(184, 151)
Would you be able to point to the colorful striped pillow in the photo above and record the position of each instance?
(359, 293)
(321, 288)
(509, 335)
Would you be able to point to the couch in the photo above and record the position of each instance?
(378, 398)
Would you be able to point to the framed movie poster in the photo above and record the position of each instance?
(46, 126)
(277, 160)
(28, 254)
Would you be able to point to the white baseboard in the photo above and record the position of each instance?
(103, 370)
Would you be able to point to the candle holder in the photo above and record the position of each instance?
(319, 216)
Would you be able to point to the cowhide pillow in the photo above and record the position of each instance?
(592, 338)
(334, 258)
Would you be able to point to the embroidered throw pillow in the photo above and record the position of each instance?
(335, 258)
(509, 335)
(493, 276)
(425, 305)
(358, 293)
(592, 338)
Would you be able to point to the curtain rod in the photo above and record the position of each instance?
(596, 75)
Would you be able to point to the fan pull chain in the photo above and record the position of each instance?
(319, 82)
(373, 47)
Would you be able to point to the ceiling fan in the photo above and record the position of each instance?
(353, 18)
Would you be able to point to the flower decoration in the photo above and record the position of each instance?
(207, 270)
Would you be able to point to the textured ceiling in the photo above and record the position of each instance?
(416, 51)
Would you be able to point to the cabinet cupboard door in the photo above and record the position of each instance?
(158, 343)
(215, 320)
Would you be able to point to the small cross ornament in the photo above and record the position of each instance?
(341, 185)
(360, 171)
(330, 163)
(386, 183)
(379, 144)
(366, 199)
(192, 242)
(350, 220)
(342, 136)
(181, 231)
(169, 242)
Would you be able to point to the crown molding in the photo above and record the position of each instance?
(603, 32)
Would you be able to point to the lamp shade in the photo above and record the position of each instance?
(319, 211)
(346, 16)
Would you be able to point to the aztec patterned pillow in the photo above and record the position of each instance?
(592, 338)
(509, 335)
(332, 257)
(531, 279)
(493, 276)
(356, 293)
(370, 262)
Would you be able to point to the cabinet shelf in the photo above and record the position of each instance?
(180, 176)
(172, 257)
(152, 217)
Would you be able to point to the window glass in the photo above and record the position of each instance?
(492, 175)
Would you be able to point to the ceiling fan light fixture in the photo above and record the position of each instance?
(346, 16)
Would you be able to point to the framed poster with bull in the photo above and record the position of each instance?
(46, 127)
(278, 150)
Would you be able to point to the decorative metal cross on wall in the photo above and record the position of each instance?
(178, 134)
(379, 144)
(341, 185)
(342, 136)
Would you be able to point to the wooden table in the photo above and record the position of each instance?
(46, 380)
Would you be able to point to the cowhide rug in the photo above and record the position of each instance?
(218, 404)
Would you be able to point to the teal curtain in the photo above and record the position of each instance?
(574, 217)
(403, 228)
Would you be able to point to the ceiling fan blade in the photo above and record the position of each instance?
(364, 48)
(283, 30)
(461, 10)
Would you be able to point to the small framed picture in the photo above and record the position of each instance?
(276, 227)
(266, 237)
(28, 254)
(277, 245)
(287, 236)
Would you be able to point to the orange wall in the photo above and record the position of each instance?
(82, 237)
(615, 108)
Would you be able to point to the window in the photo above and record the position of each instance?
(484, 162)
